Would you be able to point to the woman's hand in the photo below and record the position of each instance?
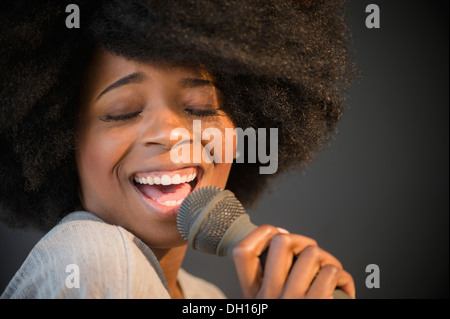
(314, 274)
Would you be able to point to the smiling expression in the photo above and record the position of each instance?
(128, 110)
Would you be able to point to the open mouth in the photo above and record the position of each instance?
(168, 188)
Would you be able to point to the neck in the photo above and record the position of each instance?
(170, 261)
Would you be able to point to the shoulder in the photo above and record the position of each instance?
(197, 288)
(84, 257)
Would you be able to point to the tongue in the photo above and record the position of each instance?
(163, 194)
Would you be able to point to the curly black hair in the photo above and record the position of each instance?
(283, 64)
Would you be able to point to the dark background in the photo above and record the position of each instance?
(379, 193)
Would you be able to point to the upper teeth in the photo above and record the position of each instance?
(165, 179)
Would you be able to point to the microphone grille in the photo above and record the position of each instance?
(192, 206)
(207, 227)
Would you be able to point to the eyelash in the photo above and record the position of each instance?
(130, 116)
(121, 117)
(202, 113)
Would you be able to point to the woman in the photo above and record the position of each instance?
(87, 116)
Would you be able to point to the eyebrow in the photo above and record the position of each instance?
(137, 77)
(195, 82)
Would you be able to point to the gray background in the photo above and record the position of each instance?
(379, 193)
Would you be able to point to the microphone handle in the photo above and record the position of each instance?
(240, 228)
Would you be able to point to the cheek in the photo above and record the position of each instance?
(91, 159)
(221, 142)
(221, 172)
(223, 149)
(97, 158)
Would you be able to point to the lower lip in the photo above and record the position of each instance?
(160, 210)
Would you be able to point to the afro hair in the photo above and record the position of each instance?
(279, 63)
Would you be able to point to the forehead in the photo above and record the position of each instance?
(106, 67)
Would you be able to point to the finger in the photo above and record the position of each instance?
(348, 286)
(246, 259)
(276, 269)
(279, 261)
(328, 278)
(305, 269)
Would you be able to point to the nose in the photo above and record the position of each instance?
(157, 127)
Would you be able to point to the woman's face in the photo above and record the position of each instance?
(127, 114)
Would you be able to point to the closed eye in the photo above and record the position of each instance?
(120, 117)
(203, 113)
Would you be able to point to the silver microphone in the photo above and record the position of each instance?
(213, 221)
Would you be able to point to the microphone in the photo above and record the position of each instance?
(213, 221)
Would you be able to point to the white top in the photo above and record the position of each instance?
(84, 257)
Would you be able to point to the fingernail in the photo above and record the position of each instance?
(282, 230)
